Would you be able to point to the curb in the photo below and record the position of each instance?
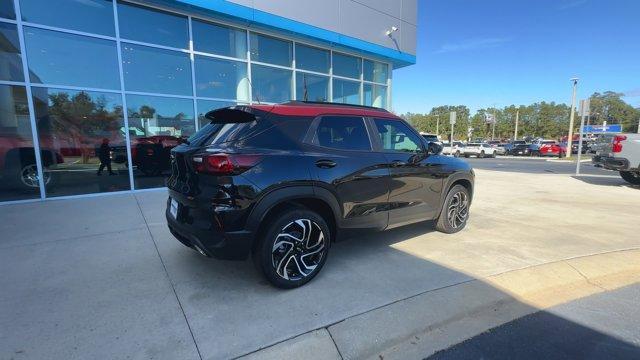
(421, 325)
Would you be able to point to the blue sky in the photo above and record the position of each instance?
(481, 53)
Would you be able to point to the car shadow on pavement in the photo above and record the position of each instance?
(615, 181)
(107, 294)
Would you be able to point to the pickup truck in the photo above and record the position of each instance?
(622, 154)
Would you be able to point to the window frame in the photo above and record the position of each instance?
(379, 146)
(311, 137)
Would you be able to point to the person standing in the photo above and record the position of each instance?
(104, 154)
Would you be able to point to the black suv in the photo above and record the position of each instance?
(282, 182)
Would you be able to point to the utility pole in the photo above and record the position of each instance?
(638, 126)
(515, 133)
(437, 124)
(571, 117)
(452, 121)
(584, 112)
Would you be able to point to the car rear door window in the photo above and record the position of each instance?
(397, 136)
(343, 133)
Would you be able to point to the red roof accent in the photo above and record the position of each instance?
(316, 110)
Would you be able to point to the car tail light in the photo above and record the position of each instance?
(224, 164)
(617, 143)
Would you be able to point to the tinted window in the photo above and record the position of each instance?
(67, 59)
(156, 70)
(156, 125)
(397, 136)
(6, 9)
(312, 59)
(348, 66)
(218, 78)
(10, 59)
(346, 92)
(375, 95)
(341, 132)
(94, 16)
(86, 130)
(153, 26)
(219, 39)
(312, 87)
(375, 71)
(270, 84)
(20, 174)
(270, 50)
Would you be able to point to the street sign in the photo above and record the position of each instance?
(584, 107)
(489, 118)
(452, 118)
(614, 128)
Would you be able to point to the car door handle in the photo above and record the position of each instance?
(397, 163)
(325, 164)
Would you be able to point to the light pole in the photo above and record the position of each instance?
(571, 117)
(515, 133)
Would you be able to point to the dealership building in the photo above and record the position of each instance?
(95, 93)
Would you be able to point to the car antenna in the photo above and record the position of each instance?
(253, 92)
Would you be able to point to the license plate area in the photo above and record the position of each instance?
(174, 207)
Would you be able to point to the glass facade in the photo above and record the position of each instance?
(95, 93)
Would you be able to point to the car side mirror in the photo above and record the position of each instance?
(433, 148)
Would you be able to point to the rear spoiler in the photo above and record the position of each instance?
(230, 115)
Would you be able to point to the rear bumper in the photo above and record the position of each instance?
(610, 163)
(202, 230)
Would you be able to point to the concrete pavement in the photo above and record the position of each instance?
(103, 278)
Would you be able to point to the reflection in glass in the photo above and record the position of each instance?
(312, 87)
(156, 125)
(93, 16)
(152, 26)
(204, 106)
(6, 10)
(375, 71)
(270, 84)
(67, 59)
(18, 171)
(312, 59)
(375, 95)
(346, 92)
(347, 66)
(10, 59)
(155, 70)
(86, 131)
(224, 79)
(270, 50)
(219, 39)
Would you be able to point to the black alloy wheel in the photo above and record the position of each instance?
(455, 211)
(294, 248)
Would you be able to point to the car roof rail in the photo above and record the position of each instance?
(332, 104)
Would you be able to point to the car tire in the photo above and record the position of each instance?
(457, 154)
(455, 210)
(481, 154)
(304, 240)
(631, 177)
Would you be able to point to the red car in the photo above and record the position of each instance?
(552, 148)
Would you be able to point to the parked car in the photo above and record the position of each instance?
(431, 138)
(622, 154)
(282, 182)
(457, 150)
(551, 148)
(18, 161)
(518, 148)
(534, 147)
(480, 150)
(498, 145)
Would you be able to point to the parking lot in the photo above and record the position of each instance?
(102, 277)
